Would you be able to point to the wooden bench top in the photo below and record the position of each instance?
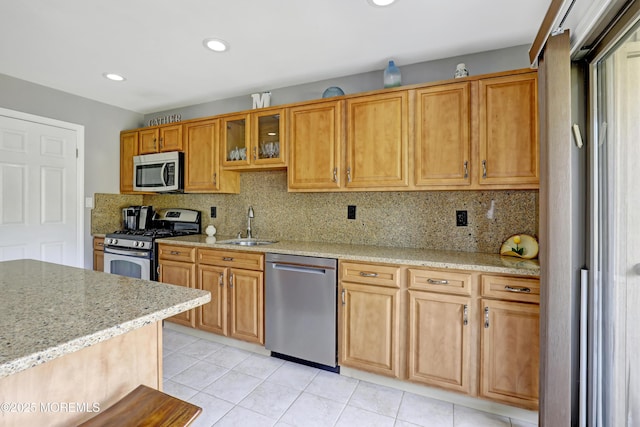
(145, 406)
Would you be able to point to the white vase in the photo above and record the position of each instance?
(461, 71)
(210, 230)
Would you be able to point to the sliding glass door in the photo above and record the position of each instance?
(615, 235)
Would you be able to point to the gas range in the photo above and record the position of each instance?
(133, 253)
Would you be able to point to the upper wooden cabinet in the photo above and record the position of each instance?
(508, 130)
(315, 136)
(160, 139)
(443, 135)
(128, 149)
(254, 140)
(474, 133)
(202, 172)
(377, 141)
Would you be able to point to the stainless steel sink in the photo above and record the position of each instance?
(247, 242)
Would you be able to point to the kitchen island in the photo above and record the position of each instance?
(74, 341)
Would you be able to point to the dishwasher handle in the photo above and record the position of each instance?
(299, 268)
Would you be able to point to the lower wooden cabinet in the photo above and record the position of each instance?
(212, 317)
(98, 253)
(370, 330)
(510, 342)
(441, 325)
(177, 267)
(370, 323)
(462, 331)
(237, 294)
(182, 274)
(440, 340)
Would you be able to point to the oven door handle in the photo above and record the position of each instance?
(138, 254)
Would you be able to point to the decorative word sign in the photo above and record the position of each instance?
(173, 118)
(261, 100)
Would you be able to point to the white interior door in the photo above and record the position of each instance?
(39, 197)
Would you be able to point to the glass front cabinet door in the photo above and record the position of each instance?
(254, 140)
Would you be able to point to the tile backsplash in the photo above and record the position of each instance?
(399, 219)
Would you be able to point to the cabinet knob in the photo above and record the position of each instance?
(465, 315)
(221, 279)
(335, 174)
(484, 169)
(227, 258)
(466, 169)
(349, 174)
(438, 282)
(486, 317)
(215, 177)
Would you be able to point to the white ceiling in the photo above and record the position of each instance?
(157, 44)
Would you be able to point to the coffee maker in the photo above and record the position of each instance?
(137, 217)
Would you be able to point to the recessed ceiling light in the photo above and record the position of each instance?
(113, 76)
(381, 3)
(216, 45)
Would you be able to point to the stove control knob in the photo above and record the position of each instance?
(114, 241)
(136, 244)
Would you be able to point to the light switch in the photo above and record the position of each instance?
(88, 202)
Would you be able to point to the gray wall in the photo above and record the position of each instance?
(102, 125)
(478, 63)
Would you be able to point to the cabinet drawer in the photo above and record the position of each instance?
(370, 274)
(98, 243)
(450, 282)
(245, 260)
(511, 288)
(177, 253)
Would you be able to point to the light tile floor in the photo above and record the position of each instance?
(240, 388)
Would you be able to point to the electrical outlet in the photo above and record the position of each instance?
(213, 212)
(461, 218)
(351, 212)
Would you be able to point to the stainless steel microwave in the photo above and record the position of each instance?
(161, 172)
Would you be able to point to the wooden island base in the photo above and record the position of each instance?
(75, 387)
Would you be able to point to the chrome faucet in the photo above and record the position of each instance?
(250, 215)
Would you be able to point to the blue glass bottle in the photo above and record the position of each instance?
(392, 77)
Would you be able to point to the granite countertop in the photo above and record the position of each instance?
(482, 262)
(49, 310)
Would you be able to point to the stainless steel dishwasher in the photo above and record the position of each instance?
(300, 308)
